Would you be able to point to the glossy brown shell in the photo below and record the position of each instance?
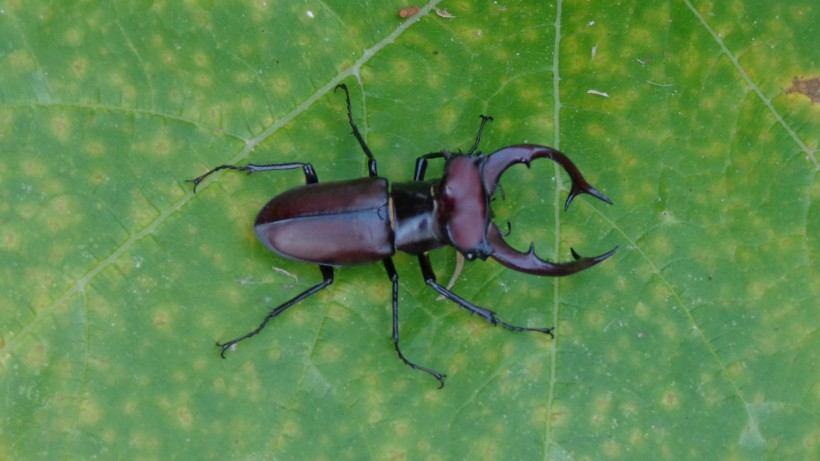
(334, 223)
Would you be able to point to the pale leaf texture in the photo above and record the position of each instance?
(697, 340)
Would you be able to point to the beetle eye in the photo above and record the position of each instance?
(470, 255)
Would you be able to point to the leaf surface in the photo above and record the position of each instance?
(697, 340)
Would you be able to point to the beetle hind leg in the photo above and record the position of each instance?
(327, 276)
(394, 277)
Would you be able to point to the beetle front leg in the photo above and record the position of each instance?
(488, 315)
(394, 277)
(307, 169)
(327, 276)
(484, 120)
(421, 163)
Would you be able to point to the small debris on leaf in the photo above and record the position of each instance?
(408, 12)
(444, 13)
(598, 93)
(456, 274)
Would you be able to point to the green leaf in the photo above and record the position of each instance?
(697, 340)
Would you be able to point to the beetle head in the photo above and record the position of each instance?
(463, 207)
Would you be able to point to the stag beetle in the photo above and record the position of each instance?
(366, 220)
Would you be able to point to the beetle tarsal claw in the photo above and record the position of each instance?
(530, 263)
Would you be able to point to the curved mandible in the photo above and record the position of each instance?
(530, 263)
(502, 159)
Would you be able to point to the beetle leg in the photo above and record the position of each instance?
(327, 275)
(421, 163)
(371, 160)
(484, 120)
(488, 315)
(307, 168)
(394, 277)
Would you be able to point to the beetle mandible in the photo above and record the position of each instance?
(366, 220)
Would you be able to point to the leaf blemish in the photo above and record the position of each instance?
(808, 87)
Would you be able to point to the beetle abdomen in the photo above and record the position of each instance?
(336, 223)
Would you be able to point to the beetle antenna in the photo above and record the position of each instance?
(371, 160)
(484, 120)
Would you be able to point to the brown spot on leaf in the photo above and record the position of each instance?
(806, 86)
(408, 12)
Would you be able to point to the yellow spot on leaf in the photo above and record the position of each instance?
(90, 412)
(61, 127)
